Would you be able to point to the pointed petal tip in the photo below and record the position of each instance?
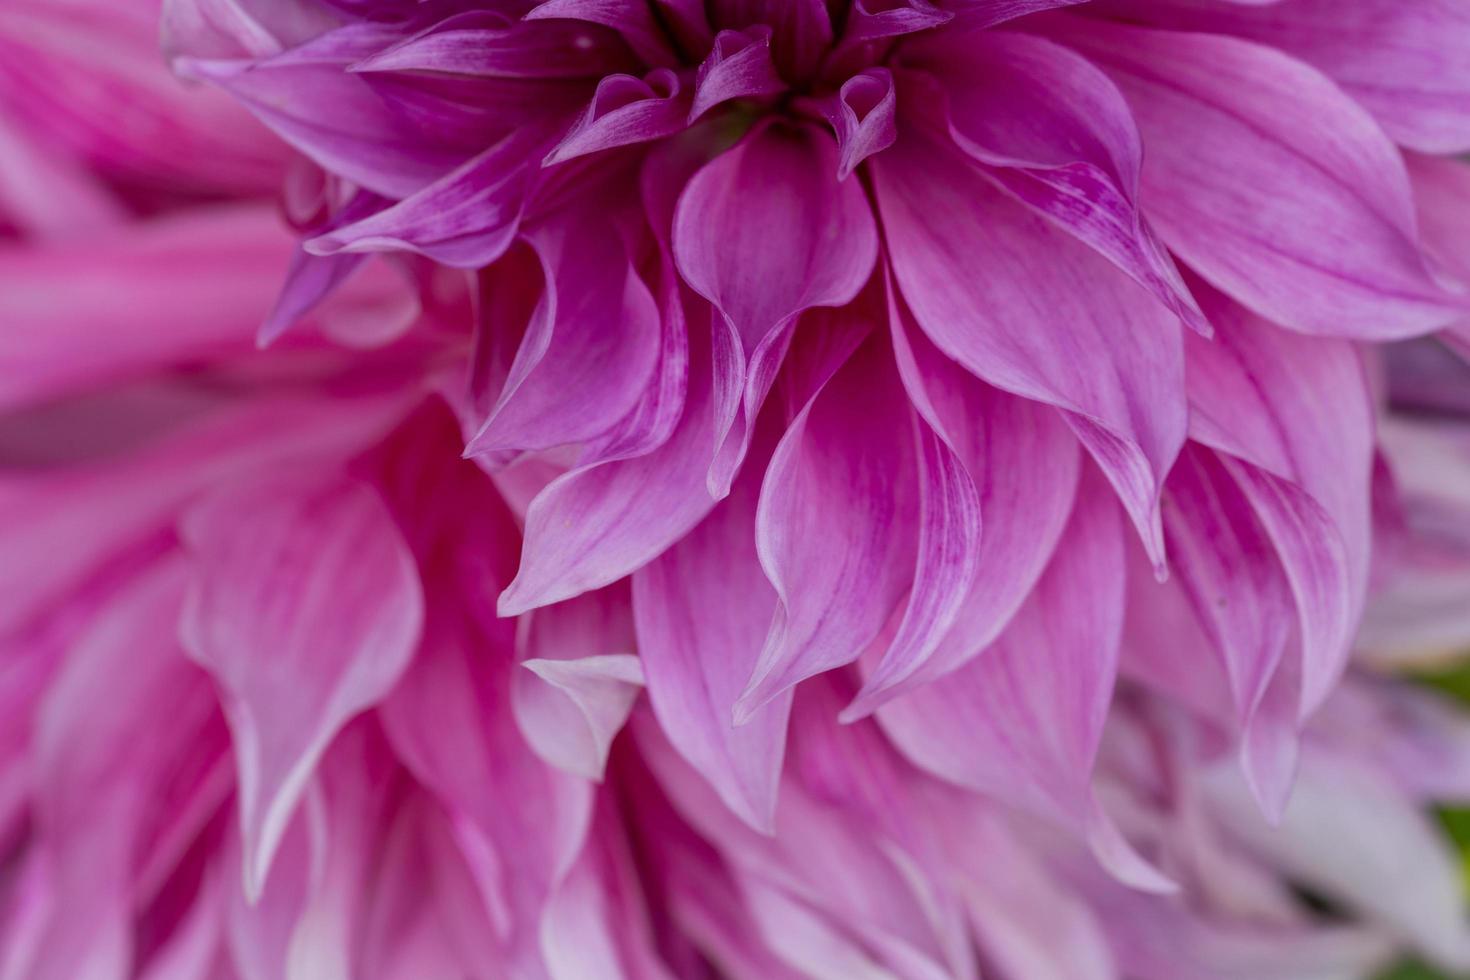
(1120, 859)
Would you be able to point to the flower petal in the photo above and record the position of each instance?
(1027, 308)
(1023, 720)
(1228, 126)
(1055, 132)
(306, 608)
(835, 529)
(703, 609)
(1022, 461)
(764, 231)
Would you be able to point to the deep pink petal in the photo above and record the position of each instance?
(703, 609)
(1055, 132)
(1027, 308)
(763, 232)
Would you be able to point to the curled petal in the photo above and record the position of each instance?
(862, 116)
(739, 66)
(623, 111)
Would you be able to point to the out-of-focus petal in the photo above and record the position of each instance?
(306, 608)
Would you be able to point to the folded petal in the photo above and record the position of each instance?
(1293, 419)
(589, 351)
(1229, 126)
(764, 231)
(466, 219)
(597, 523)
(579, 682)
(1227, 565)
(104, 764)
(1021, 461)
(623, 111)
(306, 608)
(703, 609)
(1056, 133)
(835, 528)
(739, 66)
(862, 115)
(1023, 720)
(1027, 308)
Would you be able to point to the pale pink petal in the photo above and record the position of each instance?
(579, 683)
(1022, 461)
(306, 609)
(1293, 419)
(1405, 876)
(1022, 721)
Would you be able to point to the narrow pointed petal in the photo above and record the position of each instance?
(1030, 310)
(1294, 417)
(868, 20)
(306, 609)
(764, 231)
(1226, 124)
(703, 609)
(1022, 461)
(835, 527)
(103, 762)
(1022, 721)
(975, 15)
(490, 44)
(466, 219)
(633, 19)
(334, 116)
(595, 524)
(739, 66)
(1056, 133)
(589, 352)
(1227, 565)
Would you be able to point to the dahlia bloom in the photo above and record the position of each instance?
(733, 489)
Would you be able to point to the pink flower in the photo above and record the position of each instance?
(983, 429)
